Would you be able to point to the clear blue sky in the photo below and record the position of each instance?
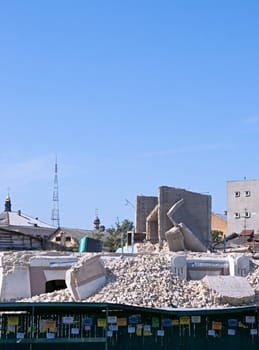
(129, 95)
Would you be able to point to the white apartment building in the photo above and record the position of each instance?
(242, 206)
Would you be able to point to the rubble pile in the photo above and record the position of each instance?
(253, 277)
(147, 281)
(13, 259)
(144, 281)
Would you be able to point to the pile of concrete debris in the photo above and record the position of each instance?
(147, 280)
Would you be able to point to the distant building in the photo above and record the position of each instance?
(219, 223)
(242, 206)
(19, 231)
(71, 238)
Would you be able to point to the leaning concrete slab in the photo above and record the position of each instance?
(234, 290)
(173, 210)
(86, 277)
(188, 240)
(192, 209)
(191, 242)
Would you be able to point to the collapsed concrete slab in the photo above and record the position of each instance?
(191, 242)
(192, 209)
(85, 278)
(234, 290)
(180, 237)
(175, 239)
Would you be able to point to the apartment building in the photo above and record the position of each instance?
(242, 206)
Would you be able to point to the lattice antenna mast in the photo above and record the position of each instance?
(55, 210)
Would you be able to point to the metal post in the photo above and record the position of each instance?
(106, 335)
(121, 243)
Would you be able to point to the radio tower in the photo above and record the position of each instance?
(55, 208)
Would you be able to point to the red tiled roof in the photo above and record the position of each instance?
(246, 233)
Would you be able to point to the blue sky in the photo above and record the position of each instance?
(129, 95)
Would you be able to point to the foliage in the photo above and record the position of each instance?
(98, 235)
(117, 235)
(217, 235)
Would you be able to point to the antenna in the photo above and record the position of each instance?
(55, 208)
(127, 202)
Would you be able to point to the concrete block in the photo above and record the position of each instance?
(179, 266)
(16, 285)
(86, 278)
(191, 242)
(234, 290)
(175, 239)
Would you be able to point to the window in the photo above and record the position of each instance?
(237, 215)
(247, 193)
(247, 214)
(237, 194)
(58, 239)
(68, 239)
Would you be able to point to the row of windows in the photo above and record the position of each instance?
(246, 194)
(67, 239)
(246, 215)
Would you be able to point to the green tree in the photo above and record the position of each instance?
(118, 234)
(217, 235)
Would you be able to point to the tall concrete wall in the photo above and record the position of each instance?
(195, 212)
(144, 205)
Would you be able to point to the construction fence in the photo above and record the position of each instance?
(27, 326)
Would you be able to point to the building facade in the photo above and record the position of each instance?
(242, 206)
(219, 223)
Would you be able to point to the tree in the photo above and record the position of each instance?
(118, 235)
(217, 235)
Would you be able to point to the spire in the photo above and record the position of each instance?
(8, 203)
(96, 221)
(55, 209)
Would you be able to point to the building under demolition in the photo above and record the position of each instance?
(131, 301)
(181, 217)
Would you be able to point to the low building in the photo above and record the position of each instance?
(19, 231)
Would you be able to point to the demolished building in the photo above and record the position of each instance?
(181, 217)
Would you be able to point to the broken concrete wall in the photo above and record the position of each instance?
(144, 206)
(44, 268)
(179, 266)
(25, 275)
(239, 265)
(86, 277)
(16, 285)
(195, 212)
(152, 225)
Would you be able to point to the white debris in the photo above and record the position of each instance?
(146, 280)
